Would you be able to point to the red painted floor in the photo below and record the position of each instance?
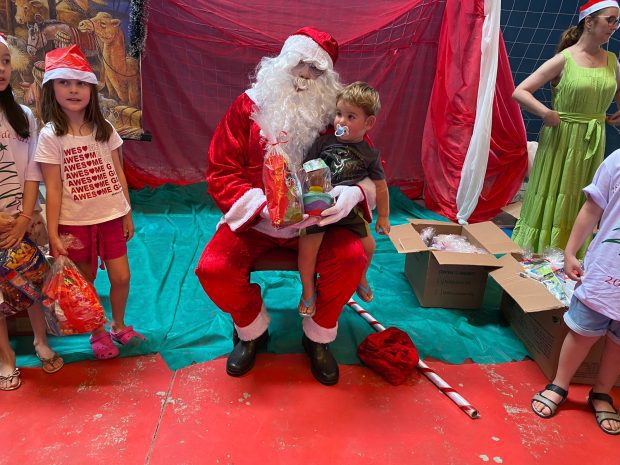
(136, 411)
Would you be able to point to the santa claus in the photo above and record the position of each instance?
(295, 92)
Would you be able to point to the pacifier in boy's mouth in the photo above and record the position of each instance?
(341, 131)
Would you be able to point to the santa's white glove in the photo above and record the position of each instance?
(347, 197)
(306, 221)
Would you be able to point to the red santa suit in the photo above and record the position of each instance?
(234, 177)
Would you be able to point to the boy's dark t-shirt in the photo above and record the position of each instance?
(348, 163)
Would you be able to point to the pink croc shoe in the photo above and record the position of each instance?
(102, 346)
(125, 335)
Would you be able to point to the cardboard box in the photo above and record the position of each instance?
(536, 317)
(450, 279)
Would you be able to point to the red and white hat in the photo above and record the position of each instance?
(594, 5)
(316, 46)
(3, 40)
(68, 63)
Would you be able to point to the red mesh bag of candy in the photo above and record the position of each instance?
(282, 186)
(77, 306)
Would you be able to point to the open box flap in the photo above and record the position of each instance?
(531, 295)
(492, 238)
(472, 259)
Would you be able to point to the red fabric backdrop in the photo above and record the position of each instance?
(200, 55)
(451, 115)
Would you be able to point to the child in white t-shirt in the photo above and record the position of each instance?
(595, 308)
(19, 189)
(87, 194)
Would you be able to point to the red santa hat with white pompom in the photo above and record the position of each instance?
(594, 5)
(68, 63)
(314, 46)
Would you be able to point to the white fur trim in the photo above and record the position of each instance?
(4, 42)
(70, 73)
(317, 333)
(245, 208)
(256, 328)
(596, 7)
(309, 51)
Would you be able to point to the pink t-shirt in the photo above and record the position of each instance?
(600, 285)
(91, 190)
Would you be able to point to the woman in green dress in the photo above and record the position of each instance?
(584, 81)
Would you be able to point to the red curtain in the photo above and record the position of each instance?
(200, 54)
(451, 115)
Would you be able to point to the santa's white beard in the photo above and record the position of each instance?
(301, 107)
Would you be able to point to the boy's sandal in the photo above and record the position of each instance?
(602, 415)
(364, 292)
(551, 405)
(52, 364)
(307, 308)
(125, 335)
(102, 346)
(6, 382)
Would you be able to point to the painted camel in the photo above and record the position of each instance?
(121, 72)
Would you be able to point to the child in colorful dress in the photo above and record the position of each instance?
(595, 308)
(87, 194)
(19, 189)
(350, 159)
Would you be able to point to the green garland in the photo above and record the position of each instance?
(137, 27)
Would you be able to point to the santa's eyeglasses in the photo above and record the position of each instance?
(314, 71)
(612, 20)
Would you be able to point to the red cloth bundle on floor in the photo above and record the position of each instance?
(390, 353)
(77, 307)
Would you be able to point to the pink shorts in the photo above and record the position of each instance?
(105, 240)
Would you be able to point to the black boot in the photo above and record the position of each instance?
(322, 363)
(241, 359)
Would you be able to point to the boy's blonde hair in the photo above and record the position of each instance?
(362, 95)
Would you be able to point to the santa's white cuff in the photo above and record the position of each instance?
(245, 209)
(256, 328)
(317, 333)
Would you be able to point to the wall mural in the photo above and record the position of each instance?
(100, 29)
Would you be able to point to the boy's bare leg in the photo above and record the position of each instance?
(364, 290)
(309, 246)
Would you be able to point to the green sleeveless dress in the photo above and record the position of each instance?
(567, 157)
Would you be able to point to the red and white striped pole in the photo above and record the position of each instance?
(423, 367)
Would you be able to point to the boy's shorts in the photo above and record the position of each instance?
(587, 322)
(354, 222)
(106, 240)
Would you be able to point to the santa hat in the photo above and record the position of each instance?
(315, 46)
(3, 40)
(68, 63)
(594, 5)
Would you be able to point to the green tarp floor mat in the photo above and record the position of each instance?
(167, 303)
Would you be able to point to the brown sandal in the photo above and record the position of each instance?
(6, 382)
(48, 365)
